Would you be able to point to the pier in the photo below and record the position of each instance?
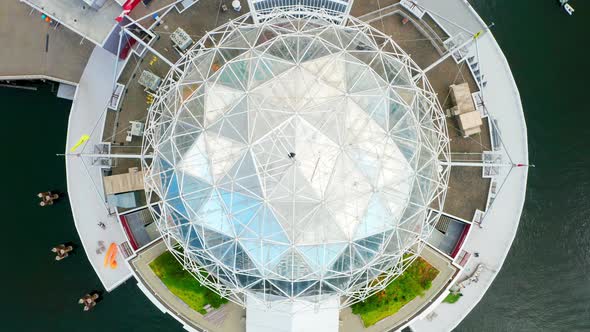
(34, 49)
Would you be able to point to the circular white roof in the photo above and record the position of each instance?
(295, 160)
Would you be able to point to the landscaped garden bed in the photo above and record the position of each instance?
(412, 283)
(182, 284)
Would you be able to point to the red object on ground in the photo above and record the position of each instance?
(461, 240)
(127, 8)
(465, 258)
(125, 50)
(128, 231)
(110, 258)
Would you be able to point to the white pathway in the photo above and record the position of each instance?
(502, 100)
(85, 188)
(95, 25)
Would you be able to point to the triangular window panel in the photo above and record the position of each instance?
(199, 69)
(339, 285)
(223, 154)
(281, 50)
(225, 253)
(193, 185)
(195, 200)
(343, 263)
(236, 40)
(185, 141)
(228, 77)
(243, 177)
(237, 202)
(396, 113)
(365, 254)
(243, 261)
(178, 205)
(274, 64)
(321, 256)
(316, 50)
(238, 117)
(271, 229)
(353, 71)
(254, 250)
(331, 35)
(373, 242)
(303, 43)
(193, 111)
(305, 288)
(214, 216)
(407, 148)
(193, 238)
(241, 221)
(218, 100)
(167, 150)
(213, 238)
(173, 190)
(377, 219)
(367, 81)
(231, 125)
(272, 253)
(195, 161)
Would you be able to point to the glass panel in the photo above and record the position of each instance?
(193, 239)
(214, 216)
(243, 262)
(343, 263)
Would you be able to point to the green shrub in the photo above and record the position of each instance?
(413, 282)
(182, 284)
(452, 298)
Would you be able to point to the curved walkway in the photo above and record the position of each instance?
(503, 103)
(32, 49)
(353, 323)
(85, 182)
(167, 302)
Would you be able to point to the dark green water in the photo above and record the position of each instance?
(39, 294)
(543, 286)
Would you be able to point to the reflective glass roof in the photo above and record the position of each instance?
(295, 158)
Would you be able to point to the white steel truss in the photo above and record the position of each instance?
(333, 10)
(296, 159)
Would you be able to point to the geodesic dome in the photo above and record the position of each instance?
(296, 159)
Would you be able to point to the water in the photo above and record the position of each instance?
(39, 294)
(543, 286)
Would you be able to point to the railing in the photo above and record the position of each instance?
(336, 10)
(183, 319)
(421, 25)
(426, 305)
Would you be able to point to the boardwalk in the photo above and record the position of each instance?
(502, 99)
(31, 48)
(85, 187)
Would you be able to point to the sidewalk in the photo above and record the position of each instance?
(85, 186)
(24, 39)
(494, 240)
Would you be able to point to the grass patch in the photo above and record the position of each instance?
(413, 282)
(452, 298)
(182, 284)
